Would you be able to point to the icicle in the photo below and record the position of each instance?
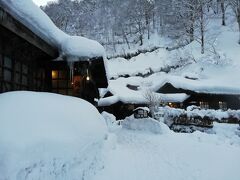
(88, 78)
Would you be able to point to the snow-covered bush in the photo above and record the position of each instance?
(46, 136)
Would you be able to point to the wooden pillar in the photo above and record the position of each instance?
(13, 85)
(48, 77)
(31, 68)
(1, 66)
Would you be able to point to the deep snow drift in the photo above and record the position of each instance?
(48, 136)
(141, 154)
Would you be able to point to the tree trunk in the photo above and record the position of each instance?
(113, 41)
(239, 29)
(202, 30)
(141, 39)
(191, 30)
(125, 37)
(238, 20)
(140, 32)
(153, 21)
(223, 13)
(148, 29)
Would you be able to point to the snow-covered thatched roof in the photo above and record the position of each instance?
(217, 84)
(122, 93)
(71, 47)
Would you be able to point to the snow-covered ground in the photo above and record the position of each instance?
(141, 154)
(49, 136)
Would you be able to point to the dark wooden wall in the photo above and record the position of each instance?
(22, 65)
(169, 88)
(233, 101)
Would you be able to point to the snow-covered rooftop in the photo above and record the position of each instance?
(126, 95)
(72, 47)
(142, 108)
(217, 82)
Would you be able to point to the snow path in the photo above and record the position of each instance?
(197, 156)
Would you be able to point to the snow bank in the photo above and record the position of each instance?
(36, 20)
(145, 125)
(43, 134)
(111, 122)
(229, 131)
(173, 156)
(193, 111)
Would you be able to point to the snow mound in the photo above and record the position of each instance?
(41, 134)
(229, 131)
(146, 125)
(111, 122)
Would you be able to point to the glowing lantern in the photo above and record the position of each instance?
(54, 74)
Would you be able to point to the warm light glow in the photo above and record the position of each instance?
(170, 104)
(88, 78)
(54, 74)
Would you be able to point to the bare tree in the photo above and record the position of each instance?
(186, 13)
(202, 21)
(235, 4)
(153, 100)
(130, 22)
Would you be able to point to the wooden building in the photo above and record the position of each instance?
(27, 62)
(204, 100)
(119, 105)
(83, 80)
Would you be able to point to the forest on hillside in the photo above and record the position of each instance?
(131, 22)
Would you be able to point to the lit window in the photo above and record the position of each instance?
(54, 74)
(204, 105)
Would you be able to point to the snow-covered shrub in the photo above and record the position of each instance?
(48, 136)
